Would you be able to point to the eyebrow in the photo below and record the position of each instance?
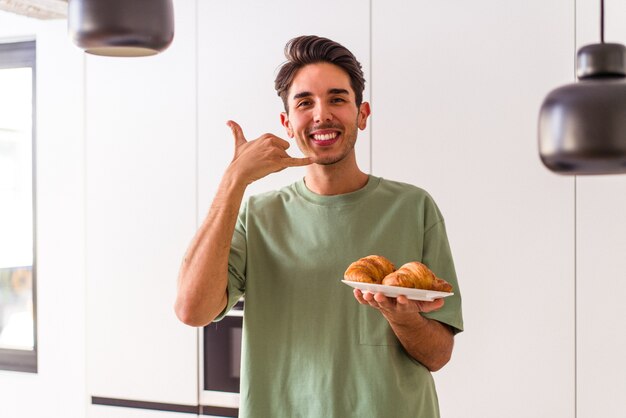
(308, 93)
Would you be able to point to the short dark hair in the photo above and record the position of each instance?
(311, 49)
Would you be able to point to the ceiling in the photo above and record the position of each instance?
(38, 9)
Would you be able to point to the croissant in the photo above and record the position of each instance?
(416, 275)
(370, 269)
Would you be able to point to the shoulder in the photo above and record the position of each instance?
(412, 198)
(406, 190)
(272, 199)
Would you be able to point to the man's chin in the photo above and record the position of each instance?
(326, 160)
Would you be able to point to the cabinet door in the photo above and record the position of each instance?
(601, 260)
(457, 88)
(97, 411)
(140, 216)
(240, 47)
(601, 268)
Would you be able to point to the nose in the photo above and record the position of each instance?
(322, 113)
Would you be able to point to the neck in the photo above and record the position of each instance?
(334, 179)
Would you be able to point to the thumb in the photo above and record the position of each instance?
(237, 133)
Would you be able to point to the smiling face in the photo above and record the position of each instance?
(323, 116)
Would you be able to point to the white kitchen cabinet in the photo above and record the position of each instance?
(99, 411)
(601, 268)
(240, 47)
(140, 216)
(600, 261)
(456, 93)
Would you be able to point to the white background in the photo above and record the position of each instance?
(130, 151)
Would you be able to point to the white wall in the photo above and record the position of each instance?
(58, 389)
(455, 91)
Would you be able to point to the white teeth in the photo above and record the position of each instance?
(325, 137)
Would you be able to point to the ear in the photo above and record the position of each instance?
(364, 113)
(284, 120)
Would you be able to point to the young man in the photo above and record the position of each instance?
(311, 349)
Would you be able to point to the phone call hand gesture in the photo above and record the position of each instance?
(257, 158)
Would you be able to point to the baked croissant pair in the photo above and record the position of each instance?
(379, 270)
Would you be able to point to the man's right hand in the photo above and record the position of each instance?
(203, 277)
(256, 159)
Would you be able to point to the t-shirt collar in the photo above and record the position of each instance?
(340, 199)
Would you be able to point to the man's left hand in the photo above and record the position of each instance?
(400, 309)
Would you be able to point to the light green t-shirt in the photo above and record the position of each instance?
(309, 348)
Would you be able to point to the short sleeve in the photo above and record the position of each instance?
(438, 257)
(236, 264)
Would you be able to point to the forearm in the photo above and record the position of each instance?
(203, 275)
(427, 341)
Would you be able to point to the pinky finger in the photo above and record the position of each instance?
(297, 162)
(359, 297)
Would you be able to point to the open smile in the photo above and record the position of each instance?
(325, 138)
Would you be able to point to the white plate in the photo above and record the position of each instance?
(395, 291)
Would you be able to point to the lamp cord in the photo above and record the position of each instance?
(602, 21)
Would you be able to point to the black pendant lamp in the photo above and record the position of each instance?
(582, 126)
(121, 28)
